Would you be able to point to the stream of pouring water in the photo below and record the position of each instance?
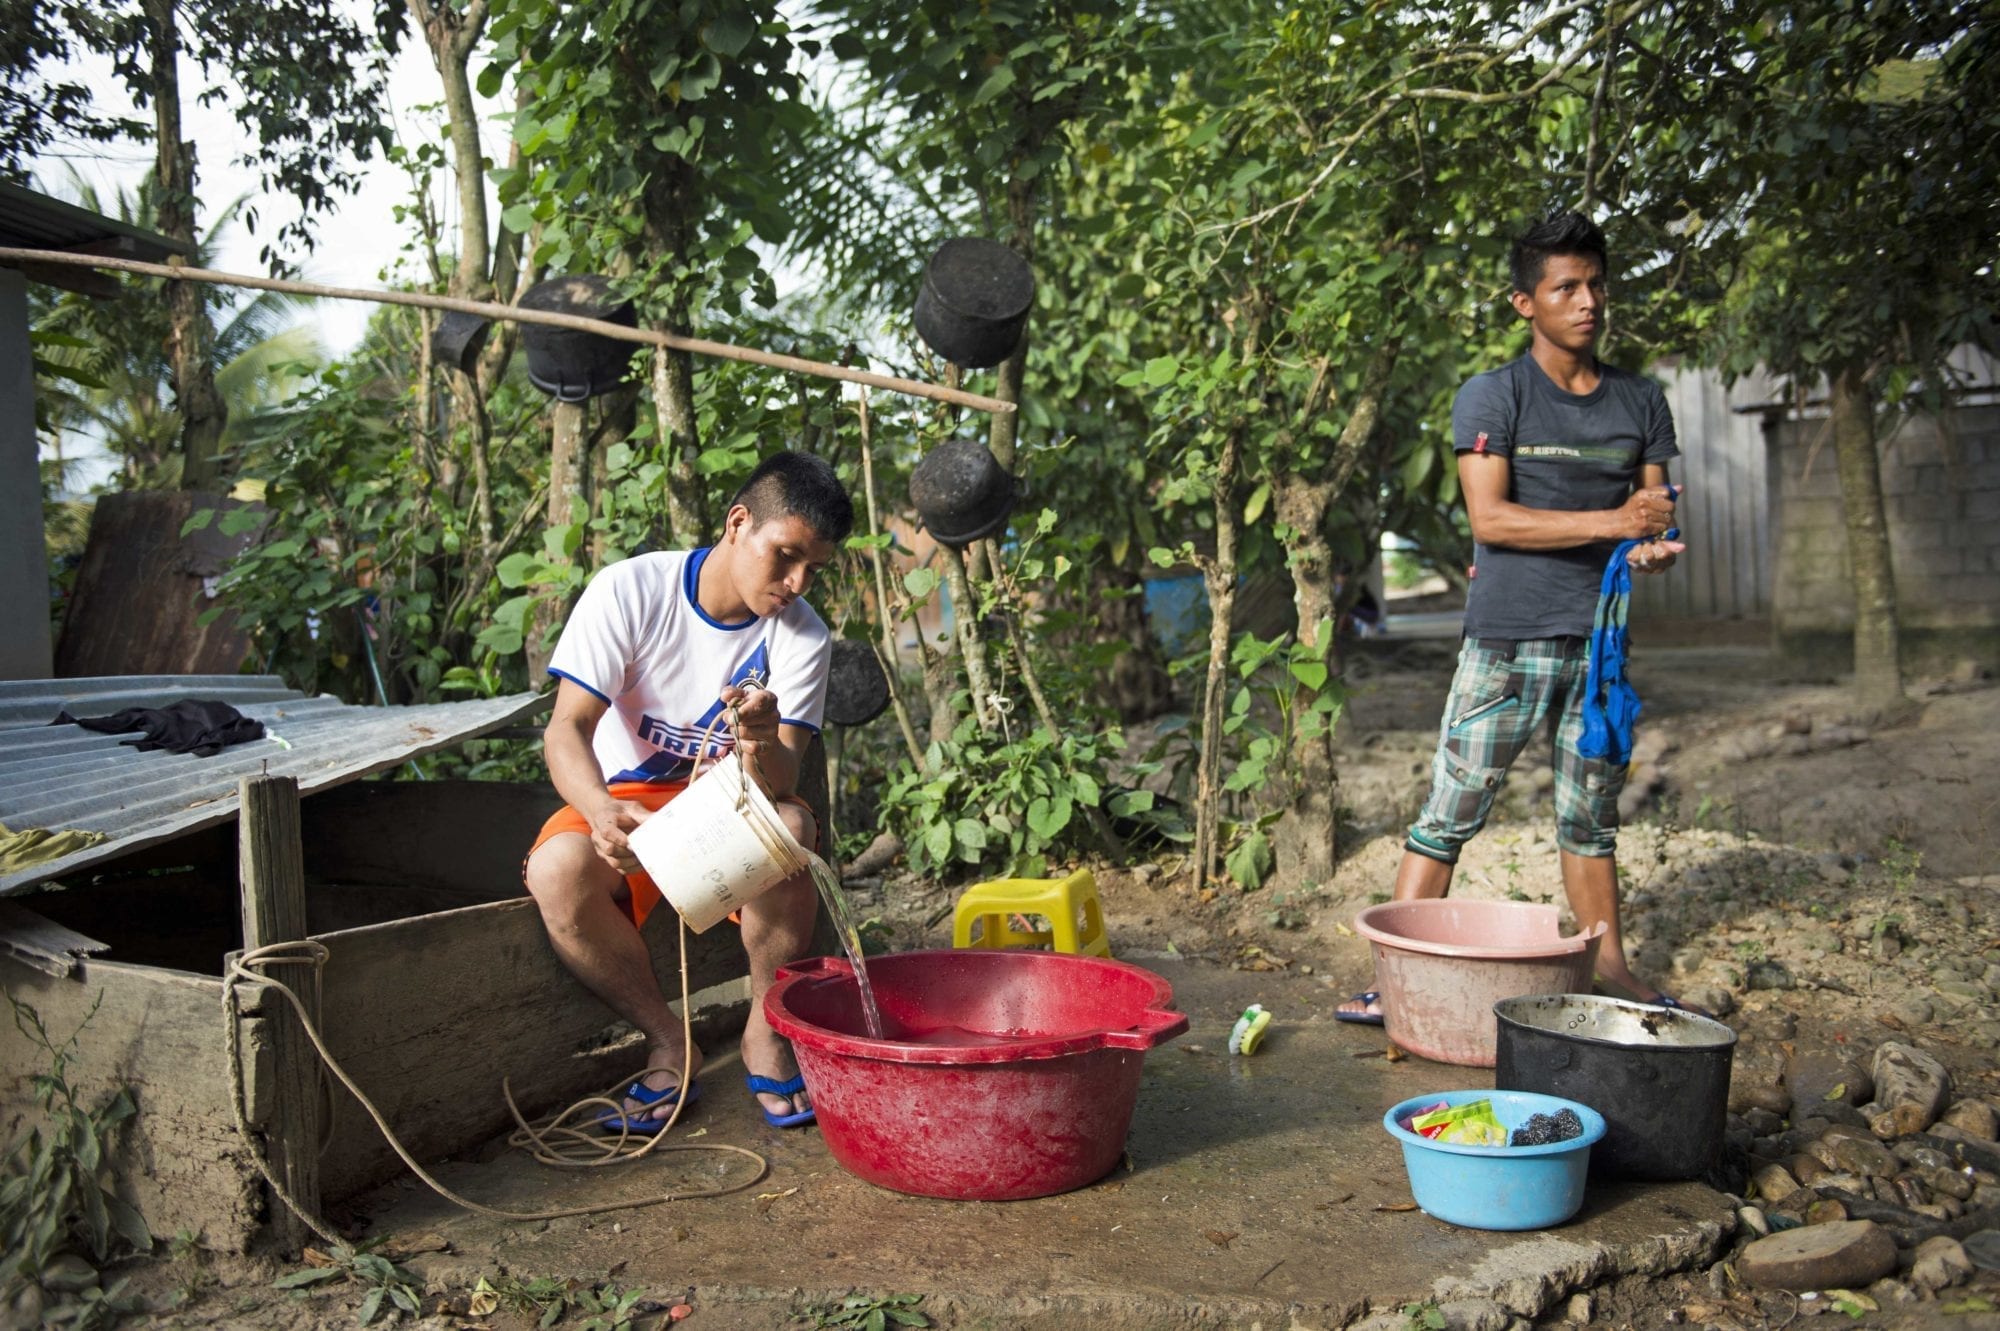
(850, 938)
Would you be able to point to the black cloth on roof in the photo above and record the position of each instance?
(203, 729)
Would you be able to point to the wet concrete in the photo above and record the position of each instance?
(1250, 1199)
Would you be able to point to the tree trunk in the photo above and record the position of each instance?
(1878, 675)
(190, 340)
(1305, 840)
(1219, 577)
(569, 483)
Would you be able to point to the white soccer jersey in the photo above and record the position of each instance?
(640, 641)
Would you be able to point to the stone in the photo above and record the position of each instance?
(1848, 1254)
(1769, 975)
(1772, 1024)
(1712, 997)
(1820, 1076)
(1807, 1169)
(1939, 1263)
(1889, 1293)
(1863, 1157)
(1911, 1085)
(1913, 1010)
(1982, 1249)
(1752, 1221)
(1910, 1191)
(1975, 1118)
(1826, 1211)
(1762, 1122)
(1944, 1182)
(1579, 1310)
(1774, 1183)
(1967, 991)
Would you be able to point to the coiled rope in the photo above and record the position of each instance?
(552, 1141)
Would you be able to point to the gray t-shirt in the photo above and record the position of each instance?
(1567, 452)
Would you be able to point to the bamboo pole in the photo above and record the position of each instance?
(491, 310)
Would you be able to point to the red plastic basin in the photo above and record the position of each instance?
(1006, 1074)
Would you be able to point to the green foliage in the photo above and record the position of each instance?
(862, 1312)
(391, 1292)
(983, 802)
(60, 1219)
(1423, 1317)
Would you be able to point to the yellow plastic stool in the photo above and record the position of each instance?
(1060, 899)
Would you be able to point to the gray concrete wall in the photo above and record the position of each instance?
(24, 562)
(1941, 489)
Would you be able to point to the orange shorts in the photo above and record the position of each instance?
(642, 894)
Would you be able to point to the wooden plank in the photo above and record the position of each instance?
(41, 942)
(467, 837)
(428, 1014)
(274, 911)
(159, 1035)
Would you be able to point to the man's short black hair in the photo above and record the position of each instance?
(802, 486)
(1566, 232)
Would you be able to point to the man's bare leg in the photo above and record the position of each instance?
(777, 928)
(1592, 884)
(593, 938)
(1418, 877)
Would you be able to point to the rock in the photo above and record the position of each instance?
(1579, 1310)
(1911, 1085)
(1831, 1114)
(1910, 1191)
(1963, 991)
(1807, 1169)
(1863, 1157)
(1939, 1264)
(1847, 1254)
(1831, 866)
(1818, 1076)
(1762, 1122)
(1752, 1221)
(1906, 1229)
(1913, 1010)
(1771, 1024)
(1929, 1157)
(1944, 1182)
(1891, 1293)
(1756, 1080)
(1982, 1249)
(1826, 1211)
(1885, 946)
(1769, 975)
(1963, 1147)
(1975, 1118)
(1713, 997)
(1774, 1183)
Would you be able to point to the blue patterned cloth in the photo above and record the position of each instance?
(1610, 704)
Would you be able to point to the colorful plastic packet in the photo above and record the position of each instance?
(1471, 1124)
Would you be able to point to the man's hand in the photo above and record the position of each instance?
(1654, 556)
(610, 822)
(1649, 512)
(754, 721)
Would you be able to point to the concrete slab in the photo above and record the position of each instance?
(1252, 1198)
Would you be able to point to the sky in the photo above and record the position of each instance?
(356, 245)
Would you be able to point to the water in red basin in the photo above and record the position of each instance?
(1004, 1074)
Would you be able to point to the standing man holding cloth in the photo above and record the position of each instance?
(661, 648)
(1560, 458)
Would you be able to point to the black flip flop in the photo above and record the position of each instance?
(1368, 996)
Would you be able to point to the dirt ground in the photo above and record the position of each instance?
(1819, 879)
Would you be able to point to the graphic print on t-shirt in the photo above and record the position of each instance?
(679, 746)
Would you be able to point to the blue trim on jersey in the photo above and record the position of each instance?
(794, 721)
(691, 588)
(662, 767)
(561, 674)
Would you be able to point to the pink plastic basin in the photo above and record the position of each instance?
(1442, 964)
(1007, 1074)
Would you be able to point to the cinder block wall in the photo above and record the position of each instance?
(1941, 489)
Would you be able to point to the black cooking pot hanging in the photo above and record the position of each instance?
(974, 301)
(962, 492)
(459, 338)
(856, 689)
(568, 363)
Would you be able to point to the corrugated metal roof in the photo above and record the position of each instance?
(30, 220)
(66, 777)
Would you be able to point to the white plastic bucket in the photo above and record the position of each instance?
(704, 854)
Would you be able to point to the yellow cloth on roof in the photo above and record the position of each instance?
(37, 845)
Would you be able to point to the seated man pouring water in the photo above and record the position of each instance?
(662, 650)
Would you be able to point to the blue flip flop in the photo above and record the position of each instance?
(649, 1099)
(1373, 996)
(767, 1086)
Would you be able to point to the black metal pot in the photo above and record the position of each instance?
(856, 689)
(974, 301)
(1659, 1077)
(459, 338)
(962, 492)
(568, 363)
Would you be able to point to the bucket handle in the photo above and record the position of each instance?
(815, 966)
(1154, 1026)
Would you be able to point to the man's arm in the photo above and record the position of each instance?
(1499, 521)
(574, 769)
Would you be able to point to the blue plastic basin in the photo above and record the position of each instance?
(1497, 1187)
